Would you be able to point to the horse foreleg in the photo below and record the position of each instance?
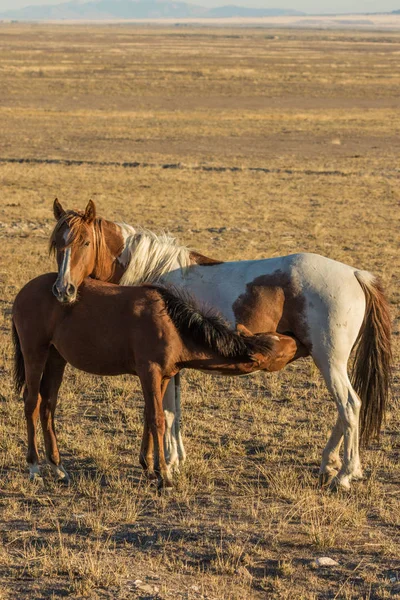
(32, 399)
(170, 437)
(178, 434)
(147, 451)
(153, 390)
(49, 387)
(32, 406)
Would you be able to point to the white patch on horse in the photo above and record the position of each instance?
(64, 270)
(148, 256)
(34, 471)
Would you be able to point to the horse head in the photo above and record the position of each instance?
(286, 348)
(84, 246)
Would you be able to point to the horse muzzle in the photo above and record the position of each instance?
(66, 294)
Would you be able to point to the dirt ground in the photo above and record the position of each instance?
(243, 143)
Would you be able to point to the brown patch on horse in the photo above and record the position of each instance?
(204, 261)
(273, 303)
(260, 308)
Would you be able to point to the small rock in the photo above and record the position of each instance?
(195, 588)
(144, 587)
(325, 561)
(216, 229)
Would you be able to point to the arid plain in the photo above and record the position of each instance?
(243, 143)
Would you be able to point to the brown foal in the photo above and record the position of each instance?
(149, 331)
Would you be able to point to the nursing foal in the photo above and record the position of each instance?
(148, 331)
(328, 306)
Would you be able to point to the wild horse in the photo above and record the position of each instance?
(148, 331)
(328, 306)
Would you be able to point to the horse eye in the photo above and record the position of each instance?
(87, 243)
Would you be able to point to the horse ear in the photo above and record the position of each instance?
(58, 210)
(242, 330)
(90, 212)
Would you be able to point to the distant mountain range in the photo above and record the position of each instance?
(136, 9)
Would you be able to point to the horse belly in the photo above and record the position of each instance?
(93, 354)
(229, 373)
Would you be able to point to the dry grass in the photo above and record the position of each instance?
(319, 113)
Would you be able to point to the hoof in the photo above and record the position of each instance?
(150, 475)
(358, 476)
(325, 479)
(59, 473)
(64, 481)
(34, 473)
(165, 486)
(327, 475)
(340, 484)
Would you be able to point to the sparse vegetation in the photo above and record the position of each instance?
(318, 114)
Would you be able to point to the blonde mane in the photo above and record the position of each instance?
(150, 256)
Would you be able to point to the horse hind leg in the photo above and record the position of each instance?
(331, 344)
(347, 425)
(49, 387)
(331, 462)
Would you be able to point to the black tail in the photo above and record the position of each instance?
(19, 364)
(209, 330)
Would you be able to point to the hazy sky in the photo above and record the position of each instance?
(310, 6)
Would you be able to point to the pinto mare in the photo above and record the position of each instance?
(329, 306)
(149, 331)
